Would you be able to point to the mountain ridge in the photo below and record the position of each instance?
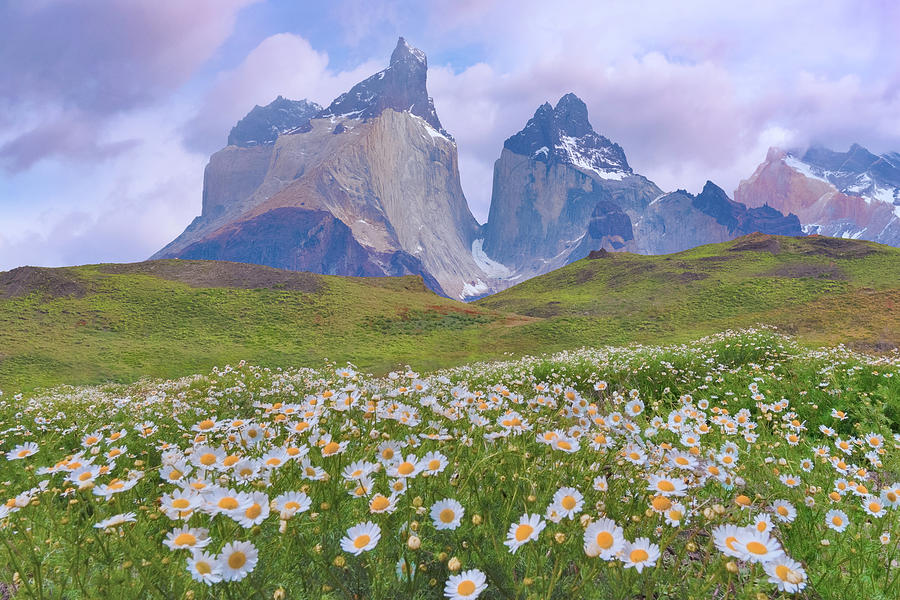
(370, 186)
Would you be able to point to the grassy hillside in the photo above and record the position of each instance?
(98, 323)
(95, 323)
(824, 290)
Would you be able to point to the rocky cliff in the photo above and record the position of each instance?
(368, 186)
(853, 194)
(550, 180)
(562, 190)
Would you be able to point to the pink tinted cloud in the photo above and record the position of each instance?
(283, 64)
(92, 60)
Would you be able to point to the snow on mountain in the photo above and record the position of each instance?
(853, 194)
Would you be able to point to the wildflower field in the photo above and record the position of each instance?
(741, 465)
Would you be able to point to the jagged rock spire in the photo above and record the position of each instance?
(401, 87)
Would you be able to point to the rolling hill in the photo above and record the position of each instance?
(167, 318)
(825, 290)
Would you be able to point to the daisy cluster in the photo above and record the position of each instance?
(579, 466)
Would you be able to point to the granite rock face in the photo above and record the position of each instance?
(548, 182)
(853, 194)
(369, 186)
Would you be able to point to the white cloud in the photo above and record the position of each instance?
(283, 64)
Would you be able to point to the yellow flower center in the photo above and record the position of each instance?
(661, 503)
(638, 555)
(465, 587)
(180, 503)
(837, 521)
(379, 503)
(447, 515)
(361, 541)
(205, 424)
(175, 474)
(757, 548)
(208, 459)
(331, 448)
(203, 567)
(666, 485)
(253, 512)
(523, 531)
(228, 503)
(568, 502)
(185, 539)
(406, 468)
(434, 464)
(237, 560)
(605, 540)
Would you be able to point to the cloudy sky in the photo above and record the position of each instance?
(109, 109)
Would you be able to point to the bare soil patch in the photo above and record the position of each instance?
(55, 283)
(221, 274)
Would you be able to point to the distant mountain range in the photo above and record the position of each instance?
(370, 186)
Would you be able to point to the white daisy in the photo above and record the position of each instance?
(447, 514)
(639, 554)
(289, 504)
(603, 538)
(187, 538)
(528, 528)
(569, 501)
(237, 560)
(361, 538)
(837, 520)
(786, 573)
(204, 568)
(465, 586)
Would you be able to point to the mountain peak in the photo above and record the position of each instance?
(264, 124)
(404, 53)
(572, 115)
(400, 87)
(564, 133)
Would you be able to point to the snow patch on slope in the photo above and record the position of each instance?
(490, 267)
(803, 168)
(597, 160)
(479, 288)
